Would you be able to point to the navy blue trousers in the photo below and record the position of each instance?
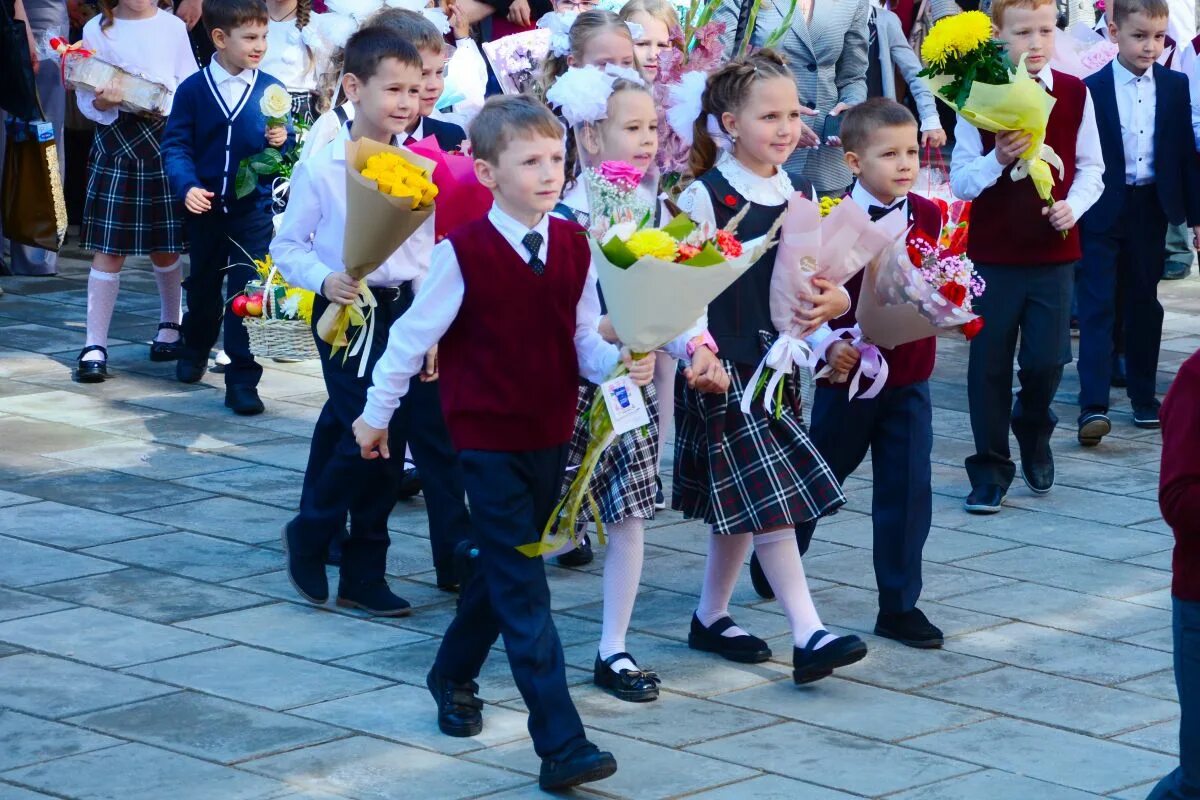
(512, 495)
(217, 241)
(897, 427)
(1119, 277)
(1184, 782)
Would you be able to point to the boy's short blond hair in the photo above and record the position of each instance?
(1154, 9)
(1000, 6)
(507, 117)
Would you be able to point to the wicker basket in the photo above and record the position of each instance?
(279, 338)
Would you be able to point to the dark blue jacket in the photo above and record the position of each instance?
(205, 141)
(1176, 173)
(449, 136)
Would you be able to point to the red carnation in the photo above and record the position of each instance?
(686, 252)
(728, 244)
(954, 292)
(918, 245)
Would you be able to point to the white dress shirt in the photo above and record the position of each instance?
(972, 171)
(232, 87)
(1135, 106)
(437, 304)
(308, 246)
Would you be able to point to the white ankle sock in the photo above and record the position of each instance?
(102, 298)
(170, 290)
(623, 558)
(726, 559)
(779, 558)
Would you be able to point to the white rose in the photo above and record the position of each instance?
(276, 102)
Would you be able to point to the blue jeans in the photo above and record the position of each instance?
(1184, 782)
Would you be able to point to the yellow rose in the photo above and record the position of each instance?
(653, 242)
(276, 103)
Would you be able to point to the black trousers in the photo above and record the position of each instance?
(1119, 277)
(897, 427)
(338, 481)
(512, 495)
(1032, 302)
(222, 245)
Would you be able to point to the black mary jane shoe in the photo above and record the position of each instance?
(92, 371)
(166, 351)
(810, 664)
(631, 685)
(744, 649)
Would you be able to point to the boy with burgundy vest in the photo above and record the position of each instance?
(1150, 179)
(880, 141)
(1026, 252)
(513, 303)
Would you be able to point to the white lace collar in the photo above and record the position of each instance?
(773, 191)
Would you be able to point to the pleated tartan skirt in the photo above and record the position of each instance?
(129, 209)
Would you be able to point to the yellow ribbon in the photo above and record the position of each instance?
(359, 315)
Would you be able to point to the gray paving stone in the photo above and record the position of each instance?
(895, 666)
(102, 638)
(226, 517)
(103, 490)
(27, 740)
(674, 720)
(1065, 533)
(192, 555)
(1064, 609)
(52, 687)
(1159, 639)
(27, 564)
(150, 595)
(1160, 685)
(1095, 506)
(183, 431)
(14, 605)
(10, 792)
(138, 772)
(149, 460)
(288, 452)
(258, 677)
(208, 727)
(854, 568)
(1135, 792)
(945, 545)
(30, 436)
(1071, 571)
(258, 484)
(40, 338)
(369, 769)
(1163, 737)
(67, 408)
(71, 527)
(771, 787)
(8, 498)
(1048, 754)
(669, 614)
(995, 785)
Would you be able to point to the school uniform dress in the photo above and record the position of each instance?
(1028, 267)
(745, 473)
(129, 208)
(1150, 179)
(215, 123)
(498, 291)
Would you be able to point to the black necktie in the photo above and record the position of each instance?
(879, 212)
(533, 243)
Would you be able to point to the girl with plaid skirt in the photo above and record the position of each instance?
(129, 209)
(753, 477)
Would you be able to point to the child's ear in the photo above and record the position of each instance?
(1112, 29)
(483, 172)
(589, 139)
(729, 123)
(853, 162)
(351, 86)
(219, 39)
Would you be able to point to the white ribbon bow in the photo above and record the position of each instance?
(785, 355)
(871, 363)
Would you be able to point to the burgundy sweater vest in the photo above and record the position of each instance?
(509, 375)
(913, 362)
(1007, 226)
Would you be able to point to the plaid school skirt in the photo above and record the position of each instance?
(623, 483)
(744, 474)
(129, 209)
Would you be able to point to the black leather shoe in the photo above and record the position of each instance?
(94, 370)
(1093, 426)
(759, 579)
(660, 499)
(985, 499)
(1146, 417)
(306, 574)
(187, 371)
(579, 557)
(586, 764)
(745, 649)
(634, 686)
(910, 627)
(1119, 379)
(459, 710)
(1038, 475)
(810, 665)
(374, 597)
(244, 400)
(410, 483)
(166, 351)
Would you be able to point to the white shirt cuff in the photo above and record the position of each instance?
(931, 124)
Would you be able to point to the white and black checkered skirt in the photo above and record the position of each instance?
(623, 484)
(129, 209)
(747, 473)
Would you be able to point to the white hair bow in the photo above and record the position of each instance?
(582, 93)
(684, 104)
(559, 24)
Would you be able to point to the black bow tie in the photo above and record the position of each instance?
(879, 212)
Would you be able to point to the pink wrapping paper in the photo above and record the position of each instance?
(461, 197)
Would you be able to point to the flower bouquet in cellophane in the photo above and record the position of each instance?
(389, 196)
(278, 317)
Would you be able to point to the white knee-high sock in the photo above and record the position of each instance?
(102, 298)
(779, 557)
(664, 385)
(170, 290)
(623, 558)
(726, 559)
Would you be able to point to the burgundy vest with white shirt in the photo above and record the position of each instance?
(509, 373)
(1007, 225)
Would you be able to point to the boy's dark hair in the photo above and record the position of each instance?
(229, 14)
(1154, 9)
(415, 29)
(371, 46)
(860, 121)
(504, 118)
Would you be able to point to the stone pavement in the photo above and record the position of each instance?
(151, 648)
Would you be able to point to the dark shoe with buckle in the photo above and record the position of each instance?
(92, 370)
(579, 557)
(1093, 426)
(586, 764)
(758, 579)
(187, 371)
(632, 685)
(307, 574)
(1146, 417)
(459, 710)
(744, 649)
(410, 483)
(166, 351)
(1119, 379)
(810, 664)
(243, 400)
(985, 499)
(910, 627)
(660, 499)
(372, 596)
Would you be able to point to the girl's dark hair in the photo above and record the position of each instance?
(107, 7)
(303, 13)
(587, 26)
(727, 91)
